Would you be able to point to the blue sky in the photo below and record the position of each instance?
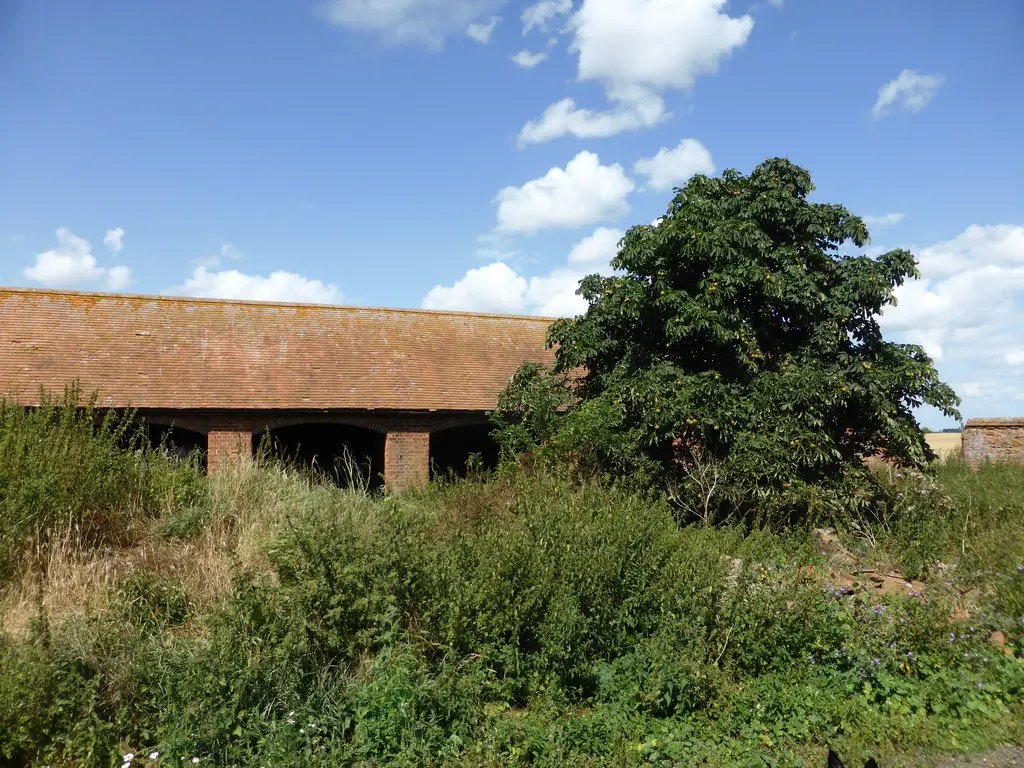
(402, 153)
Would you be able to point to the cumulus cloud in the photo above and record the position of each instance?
(493, 288)
(885, 220)
(968, 299)
(278, 286)
(584, 192)
(909, 91)
(418, 22)
(672, 167)
(497, 287)
(597, 249)
(114, 239)
(528, 59)
(482, 32)
(71, 264)
(635, 49)
(539, 15)
(631, 111)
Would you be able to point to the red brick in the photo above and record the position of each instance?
(993, 440)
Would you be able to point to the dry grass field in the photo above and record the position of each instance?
(944, 443)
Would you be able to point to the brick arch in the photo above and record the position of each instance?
(281, 421)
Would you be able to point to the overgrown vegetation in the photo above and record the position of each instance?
(67, 467)
(654, 589)
(530, 620)
(735, 357)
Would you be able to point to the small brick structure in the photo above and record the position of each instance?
(230, 370)
(993, 440)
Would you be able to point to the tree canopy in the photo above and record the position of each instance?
(734, 335)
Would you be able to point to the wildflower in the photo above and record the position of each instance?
(879, 610)
(978, 684)
(910, 655)
(129, 757)
(154, 755)
(195, 761)
(875, 662)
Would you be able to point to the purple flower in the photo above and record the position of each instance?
(910, 655)
(879, 610)
(875, 662)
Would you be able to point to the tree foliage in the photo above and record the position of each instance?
(736, 331)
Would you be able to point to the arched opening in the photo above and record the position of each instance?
(178, 442)
(451, 449)
(345, 454)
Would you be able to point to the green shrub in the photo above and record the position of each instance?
(68, 469)
(530, 620)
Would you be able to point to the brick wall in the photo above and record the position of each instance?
(225, 445)
(407, 460)
(993, 440)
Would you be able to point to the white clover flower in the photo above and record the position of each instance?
(195, 761)
(129, 757)
(154, 755)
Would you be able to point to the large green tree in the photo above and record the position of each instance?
(735, 353)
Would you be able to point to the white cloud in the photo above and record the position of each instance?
(482, 32)
(554, 295)
(968, 299)
(642, 109)
(528, 59)
(596, 249)
(582, 193)
(654, 43)
(493, 288)
(885, 220)
(909, 90)
(72, 264)
(420, 22)
(497, 287)
(114, 239)
(776, 3)
(278, 286)
(540, 14)
(226, 251)
(671, 167)
(636, 49)
(970, 389)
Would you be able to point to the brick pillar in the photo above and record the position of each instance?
(406, 460)
(223, 444)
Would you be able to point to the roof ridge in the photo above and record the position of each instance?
(257, 302)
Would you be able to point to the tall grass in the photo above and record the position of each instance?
(266, 617)
(65, 466)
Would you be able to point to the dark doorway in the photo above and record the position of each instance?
(451, 449)
(178, 442)
(344, 454)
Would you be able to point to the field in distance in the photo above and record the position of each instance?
(943, 443)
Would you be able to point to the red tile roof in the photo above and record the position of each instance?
(163, 352)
